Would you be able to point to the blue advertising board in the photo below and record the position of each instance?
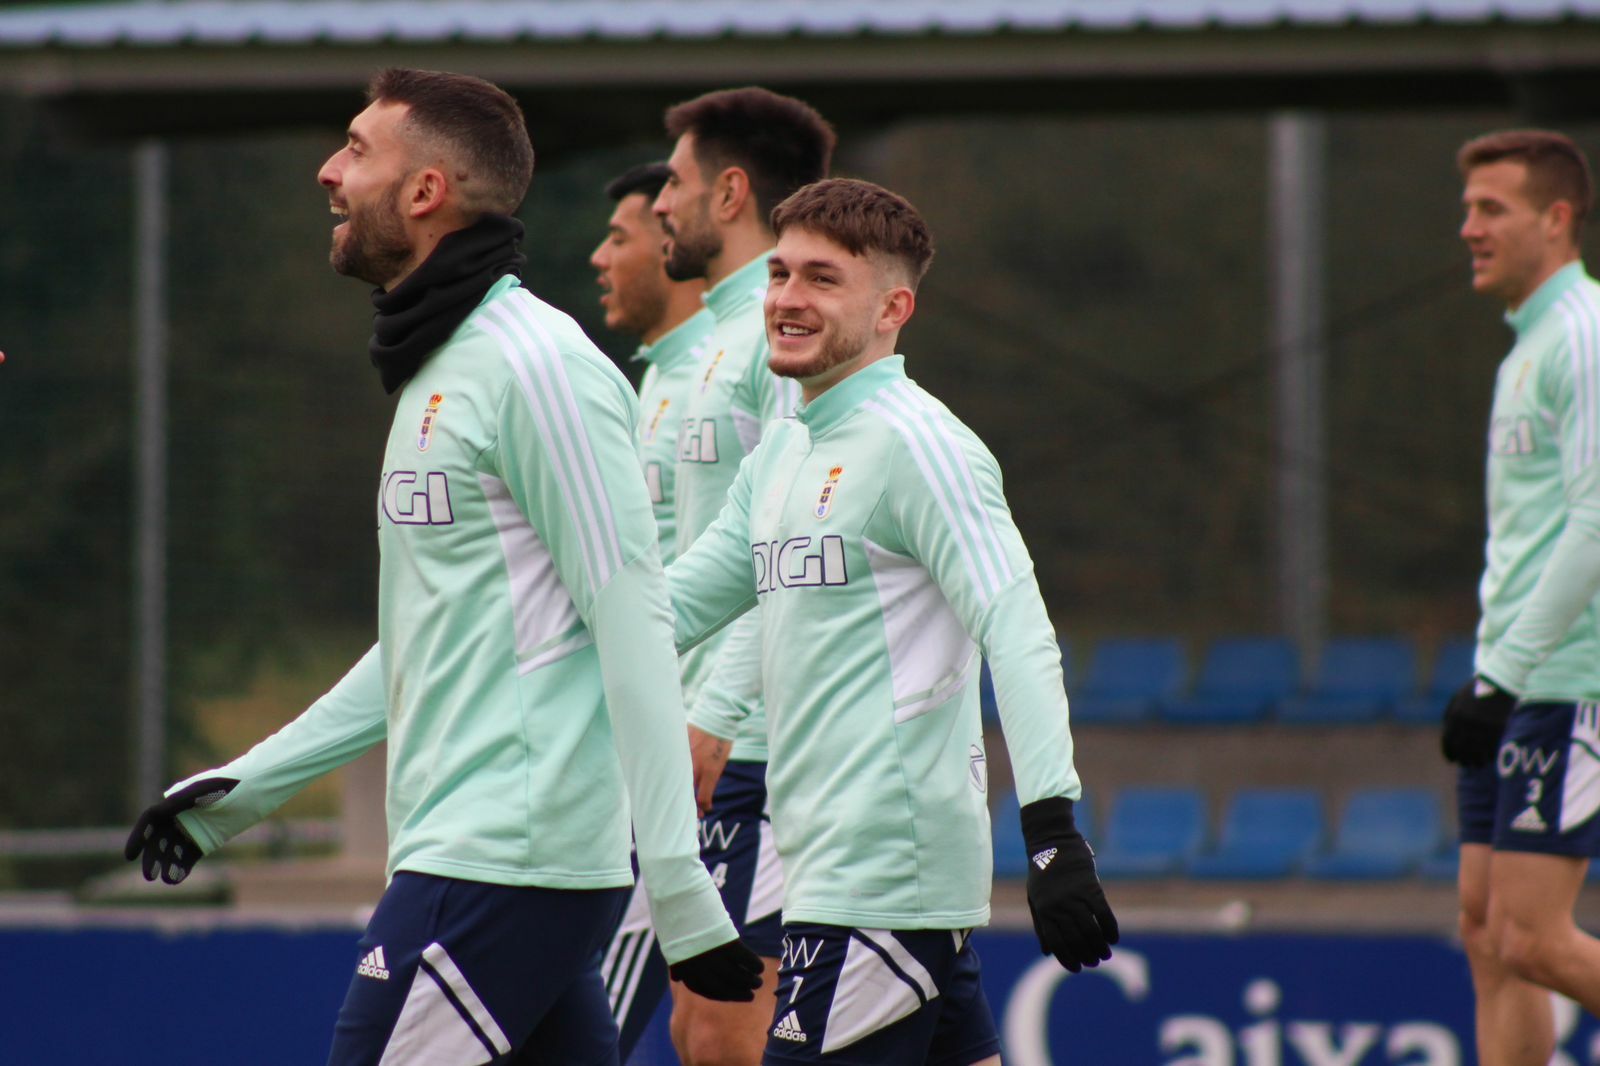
(242, 996)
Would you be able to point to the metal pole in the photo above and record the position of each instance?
(150, 431)
(1297, 209)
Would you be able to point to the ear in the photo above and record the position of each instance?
(898, 305)
(730, 193)
(427, 191)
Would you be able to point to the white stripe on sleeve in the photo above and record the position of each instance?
(1583, 344)
(537, 365)
(972, 519)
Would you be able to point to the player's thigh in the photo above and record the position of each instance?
(1534, 892)
(737, 846)
(864, 997)
(464, 971)
(1472, 882)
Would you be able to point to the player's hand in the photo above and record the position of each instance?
(728, 972)
(710, 757)
(159, 838)
(1070, 914)
(1474, 719)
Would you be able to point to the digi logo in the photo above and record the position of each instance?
(1512, 436)
(697, 440)
(412, 499)
(788, 565)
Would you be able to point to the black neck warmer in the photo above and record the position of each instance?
(422, 311)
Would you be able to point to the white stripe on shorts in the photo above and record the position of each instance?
(1580, 789)
(869, 994)
(766, 886)
(432, 1029)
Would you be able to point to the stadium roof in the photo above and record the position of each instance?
(592, 70)
(298, 22)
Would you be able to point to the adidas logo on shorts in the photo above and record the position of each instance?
(1042, 859)
(373, 965)
(789, 1029)
(1529, 822)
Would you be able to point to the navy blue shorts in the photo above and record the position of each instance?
(874, 997)
(736, 845)
(1477, 794)
(1549, 780)
(464, 972)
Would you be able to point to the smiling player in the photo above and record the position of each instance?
(874, 534)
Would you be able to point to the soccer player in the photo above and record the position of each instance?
(873, 532)
(736, 154)
(670, 320)
(524, 674)
(1526, 729)
(672, 323)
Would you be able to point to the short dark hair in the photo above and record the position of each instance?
(780, 142)
(861, 218)
(646, 178)
(477, 122)
(1557, 168)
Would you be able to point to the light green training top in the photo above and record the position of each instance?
(874, 532)
(727, 409)
(1540, 633)
(671, 364)
(520, 597)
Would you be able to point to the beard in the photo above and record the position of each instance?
(693, 247)
(835, 349)
(639, 314)
(375, 247)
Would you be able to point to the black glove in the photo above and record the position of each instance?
(162, 840)
(1473, 721)
(1070, 913)
(728, 972)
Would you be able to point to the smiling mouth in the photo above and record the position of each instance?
(790, 329)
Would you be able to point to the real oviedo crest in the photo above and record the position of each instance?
(825, 501)
(430, 415)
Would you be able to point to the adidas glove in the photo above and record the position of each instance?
(161, 840)
(728, 972)
(1473, 721)
(1070, 913)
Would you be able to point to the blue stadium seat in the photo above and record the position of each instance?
(1266, 833)
(1452, 666)
(1126, 678)
(1385, 833)
(1442, 865)
(1359, 679)
(986, 700)
(1005, 825)
(1151, 832)
(1239, 681)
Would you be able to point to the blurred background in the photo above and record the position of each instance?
(1198, 286)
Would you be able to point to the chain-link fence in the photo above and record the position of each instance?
(1097, 311)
